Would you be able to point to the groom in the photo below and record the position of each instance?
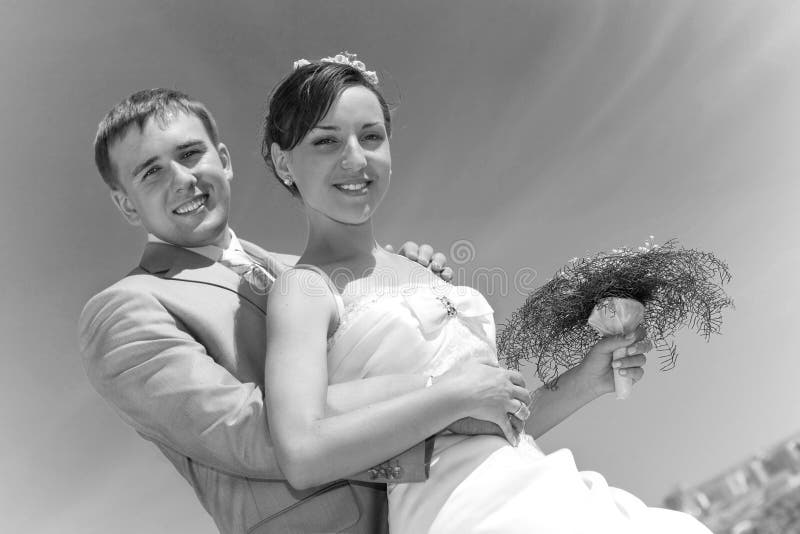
(178, 345)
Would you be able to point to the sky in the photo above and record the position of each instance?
(525, 133)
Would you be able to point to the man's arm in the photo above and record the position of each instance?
(164, 384)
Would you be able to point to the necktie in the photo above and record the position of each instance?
(256, 275)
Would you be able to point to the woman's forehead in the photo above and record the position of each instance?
(357, 104)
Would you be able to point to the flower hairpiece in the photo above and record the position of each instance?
(345, 58)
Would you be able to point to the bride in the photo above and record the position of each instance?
(351, 310)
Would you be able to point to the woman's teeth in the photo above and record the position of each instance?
(353, 187)
(192, 205)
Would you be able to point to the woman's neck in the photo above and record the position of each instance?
(331, 242)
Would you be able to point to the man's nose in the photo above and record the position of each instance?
(183, 179)
(353, 158)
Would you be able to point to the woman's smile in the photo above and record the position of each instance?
(359, 188)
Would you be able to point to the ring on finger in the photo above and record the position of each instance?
(516, 412)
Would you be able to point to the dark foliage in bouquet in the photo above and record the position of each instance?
(678, 287)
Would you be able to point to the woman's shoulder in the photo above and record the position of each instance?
(300, 281)
(306, 290)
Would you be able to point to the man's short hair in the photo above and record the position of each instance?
(161, 104)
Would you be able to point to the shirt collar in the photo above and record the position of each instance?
(212, 252)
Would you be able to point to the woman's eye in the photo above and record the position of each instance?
(373, 137)
(324, 141)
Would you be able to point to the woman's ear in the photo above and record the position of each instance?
(280, 159)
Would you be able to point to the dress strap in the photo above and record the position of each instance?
(337, 296)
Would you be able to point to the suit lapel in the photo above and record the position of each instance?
(177, 263)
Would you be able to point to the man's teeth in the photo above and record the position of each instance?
(353, 187)
(191, 205)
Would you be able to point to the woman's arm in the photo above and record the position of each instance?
(348, 396)
(587, 381)
(313, 447)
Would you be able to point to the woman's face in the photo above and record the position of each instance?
(342, 166)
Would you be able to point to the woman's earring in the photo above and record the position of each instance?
(288, 181)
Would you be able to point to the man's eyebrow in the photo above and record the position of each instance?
(191, 143)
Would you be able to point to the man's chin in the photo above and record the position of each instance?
(198, 237)
(208, 234)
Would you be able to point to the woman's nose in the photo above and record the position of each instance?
(353, 158)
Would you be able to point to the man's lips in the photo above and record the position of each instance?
(191, 206)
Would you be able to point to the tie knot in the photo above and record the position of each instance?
(237, 260)
(246, 267)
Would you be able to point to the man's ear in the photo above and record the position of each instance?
(126, 207)
(280, 159)
(225, 158)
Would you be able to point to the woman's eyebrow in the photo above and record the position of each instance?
(336, 128)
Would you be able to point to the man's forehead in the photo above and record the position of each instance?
(168, 128)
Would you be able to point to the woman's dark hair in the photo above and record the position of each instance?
(302, 99)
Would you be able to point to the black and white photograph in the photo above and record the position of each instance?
(509, 267)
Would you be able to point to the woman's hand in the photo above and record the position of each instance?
(597, 370)
(491, 394)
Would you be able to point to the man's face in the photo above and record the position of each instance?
(174, 182)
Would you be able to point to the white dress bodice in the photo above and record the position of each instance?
(477, 484)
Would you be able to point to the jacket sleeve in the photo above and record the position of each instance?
(162, 382)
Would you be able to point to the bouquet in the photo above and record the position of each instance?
(662, 287)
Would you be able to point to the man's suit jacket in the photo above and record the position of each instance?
(177, 347)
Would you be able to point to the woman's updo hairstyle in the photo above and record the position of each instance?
(303, 98)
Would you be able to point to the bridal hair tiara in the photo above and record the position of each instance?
(345, 58)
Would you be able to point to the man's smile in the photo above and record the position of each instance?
(191, 206)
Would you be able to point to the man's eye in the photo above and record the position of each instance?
(373, 137)
(189, 153)
(149, 172)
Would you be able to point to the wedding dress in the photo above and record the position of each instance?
(477, 484)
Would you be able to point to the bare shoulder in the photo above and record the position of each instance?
(298, 286)
(300, 298)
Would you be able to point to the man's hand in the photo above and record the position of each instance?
(597, 370)
(425, 256)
